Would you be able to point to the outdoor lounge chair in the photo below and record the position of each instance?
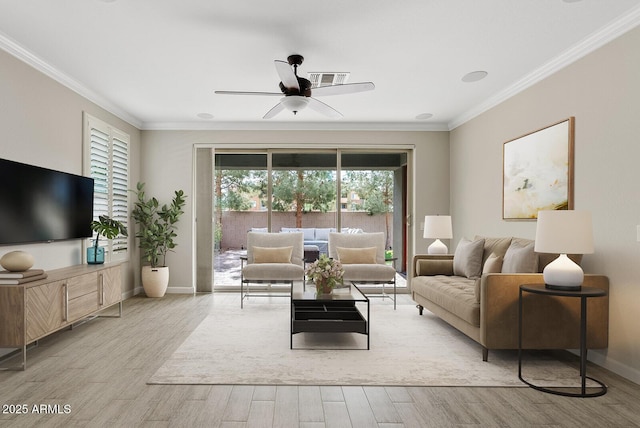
(363, 258)
(272, 258)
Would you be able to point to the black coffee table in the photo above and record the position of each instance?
(337, 312)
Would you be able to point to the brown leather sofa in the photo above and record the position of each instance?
(485, 307)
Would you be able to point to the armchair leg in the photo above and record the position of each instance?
(485, 354)
(420, 309)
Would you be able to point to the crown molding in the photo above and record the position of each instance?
(24, 55)
(596, 40)
(292, 126)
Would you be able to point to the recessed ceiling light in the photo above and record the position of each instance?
(571, 1)
(474, 76)
(108, 1)
(206, 116)
(424, 116)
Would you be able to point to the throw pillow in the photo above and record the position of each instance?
(493, 264)
(520, 258)
(354, 256)
(272, 254)
(467, 259)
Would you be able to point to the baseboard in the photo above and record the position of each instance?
(170, 290)
(129, 294)
(180, 290)
(615, 366)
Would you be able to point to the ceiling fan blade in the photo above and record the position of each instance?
(347, 88)
(247, 93)
(274, 111)
(287, 76)
(323, 108)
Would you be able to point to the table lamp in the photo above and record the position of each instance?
(564, 232)
(437, 227)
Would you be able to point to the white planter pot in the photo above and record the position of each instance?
(155, 280)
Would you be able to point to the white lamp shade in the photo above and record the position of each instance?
(437, 227)
(564, 232)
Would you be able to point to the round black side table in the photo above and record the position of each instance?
(583, 294)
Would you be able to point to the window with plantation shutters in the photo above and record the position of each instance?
(107, 162)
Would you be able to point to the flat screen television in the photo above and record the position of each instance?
(43, 205)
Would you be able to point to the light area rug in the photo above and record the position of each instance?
(251, 346)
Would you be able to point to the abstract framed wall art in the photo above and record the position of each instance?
(537, 171)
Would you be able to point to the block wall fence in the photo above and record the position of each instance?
(236, 224)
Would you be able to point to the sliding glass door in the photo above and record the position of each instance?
(284, 190)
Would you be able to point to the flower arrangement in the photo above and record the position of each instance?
(326, 273)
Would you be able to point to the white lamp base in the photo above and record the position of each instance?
(437, 247)
(563, 274)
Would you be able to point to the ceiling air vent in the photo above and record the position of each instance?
(326, 79)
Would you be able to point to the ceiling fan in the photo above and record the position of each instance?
(297, 90)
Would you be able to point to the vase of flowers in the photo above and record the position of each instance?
(326, 274)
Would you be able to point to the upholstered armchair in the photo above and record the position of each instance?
(272, 258)
(363, 258)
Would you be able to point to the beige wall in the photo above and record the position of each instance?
(602, 91)
(41, 124)
(167, 165)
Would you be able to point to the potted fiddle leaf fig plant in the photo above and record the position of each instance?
(110, 229)
(156, 231)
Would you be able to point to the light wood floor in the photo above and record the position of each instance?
(99, 371)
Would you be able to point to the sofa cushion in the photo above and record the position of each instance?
(497, 246)
(467, 259)
(434, 266)
(455, 294)
(272, 254)
(520, 257)
(357, 255)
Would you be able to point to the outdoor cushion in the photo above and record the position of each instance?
(309, 233)
(273, 272)
(368, 272)
(322, 234)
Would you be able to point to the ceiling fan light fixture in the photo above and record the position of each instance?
(295, 103)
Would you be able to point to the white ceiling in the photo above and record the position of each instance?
(156, 63)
